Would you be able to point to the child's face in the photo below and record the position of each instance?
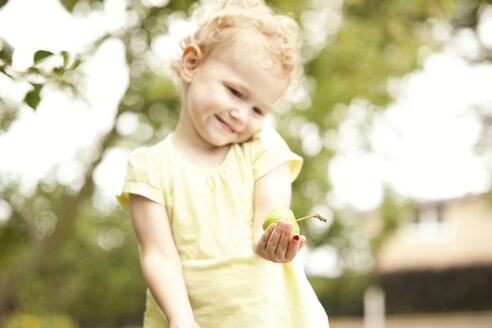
(231, 92)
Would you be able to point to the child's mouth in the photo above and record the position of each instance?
(225, 125)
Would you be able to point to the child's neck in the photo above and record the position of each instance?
(197, 152)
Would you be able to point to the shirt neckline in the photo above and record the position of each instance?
(193, 167)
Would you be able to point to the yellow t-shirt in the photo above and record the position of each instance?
(211, 216)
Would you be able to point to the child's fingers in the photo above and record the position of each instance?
(275, 237)
(261, 244)
(302, 241)
(296, 244)
(283, 243)
(293, 248)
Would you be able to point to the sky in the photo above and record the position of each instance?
(424, 141)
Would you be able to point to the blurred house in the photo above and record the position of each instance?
(440, 235)
(439, 259)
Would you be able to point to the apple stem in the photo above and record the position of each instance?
(319, 217)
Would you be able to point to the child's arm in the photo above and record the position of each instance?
(275, 244)
(160, 261)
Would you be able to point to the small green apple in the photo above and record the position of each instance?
(286, 214)
(281, 213)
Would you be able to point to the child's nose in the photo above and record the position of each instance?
(239, 115)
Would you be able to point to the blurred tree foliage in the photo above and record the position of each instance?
(65, 250)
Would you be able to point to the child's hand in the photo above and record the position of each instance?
(276, 243)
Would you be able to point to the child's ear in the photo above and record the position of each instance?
(189, 62)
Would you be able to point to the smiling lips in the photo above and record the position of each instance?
(228, 127)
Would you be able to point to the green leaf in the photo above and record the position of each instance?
(58, 70)
(40, 55)
(68, 4)
(74, 89)
(32, 98)
(6, 51)
(34, 70)
(75, 64)
(3, 2)
(65, 58)
(3, 70)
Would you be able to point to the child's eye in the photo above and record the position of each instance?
(235, 92)
(257, 111)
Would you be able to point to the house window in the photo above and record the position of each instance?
(429, 214)
(430, 225)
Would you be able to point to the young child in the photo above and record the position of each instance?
(198, 198)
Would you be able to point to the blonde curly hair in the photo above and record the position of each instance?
(220, 22)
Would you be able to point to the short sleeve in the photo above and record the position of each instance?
(269, 150)
(142, 177)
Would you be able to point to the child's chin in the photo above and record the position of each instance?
(244, 138)
(222, 142)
